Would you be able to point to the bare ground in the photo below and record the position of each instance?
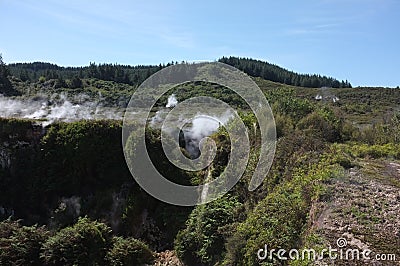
(363, 207)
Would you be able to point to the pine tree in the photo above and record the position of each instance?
(6, 87)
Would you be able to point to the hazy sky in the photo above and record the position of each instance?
(358, 40)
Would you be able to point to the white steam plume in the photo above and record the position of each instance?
(203, 126)
(57, 108)
(172, 101)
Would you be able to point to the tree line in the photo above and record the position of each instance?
(135, 75)
(265, 70)
(132, 75)
(5, 84)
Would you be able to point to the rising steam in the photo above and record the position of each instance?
(202, 126)
(161, 114)
(172, 101)
(56, 108)
(199, 127)
(59, 107)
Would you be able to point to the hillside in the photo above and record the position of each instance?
(69, 198)
(135, 75)
(267, 71)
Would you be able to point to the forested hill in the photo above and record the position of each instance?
(265, 70)
(134, 75)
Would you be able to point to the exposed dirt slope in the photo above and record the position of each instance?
(363, 207)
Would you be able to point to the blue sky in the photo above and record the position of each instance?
(357, 40)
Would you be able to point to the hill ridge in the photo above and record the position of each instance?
(135, 75)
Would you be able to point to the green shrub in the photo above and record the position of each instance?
(85, 243)
(320, 125)
(82, 155)
(284, 125)
(20, 245)
(381, 132)
(42, 79)
(12, 129)
(294, 107)
(376, 151)
(202, 241)
(279, 219)
(129, 251)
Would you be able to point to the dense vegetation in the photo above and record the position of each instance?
(6, 87)
(85, 243)
(68, 198)
(265, 70)
(134, 75)
(81, 164)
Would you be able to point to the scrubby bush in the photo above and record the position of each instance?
(279, 219)
(128, 251)
(12, 129)
(85, 243)
(42, 79)
(381, 132)
(20, 245)
(374, 151)
(322, 123)
(284, 125)
(91, 155)
(294, 107)
(202, 241)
